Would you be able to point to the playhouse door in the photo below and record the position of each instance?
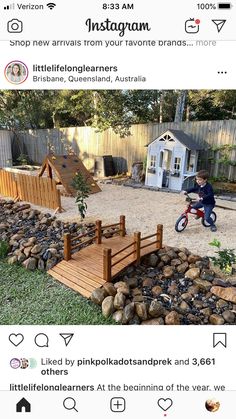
(164, 165)
(160, 169)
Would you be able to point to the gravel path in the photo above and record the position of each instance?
(144, 209)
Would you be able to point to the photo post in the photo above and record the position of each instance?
(117, 209)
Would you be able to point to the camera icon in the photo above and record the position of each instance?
(15, 26)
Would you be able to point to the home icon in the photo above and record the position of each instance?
(23, 406)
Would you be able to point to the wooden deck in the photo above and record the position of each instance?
(84, 272)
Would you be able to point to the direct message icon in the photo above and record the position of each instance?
(165, 404)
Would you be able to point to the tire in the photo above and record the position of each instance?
(181, 223)
(213, 217)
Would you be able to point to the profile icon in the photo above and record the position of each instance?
(16, 72)
(212, 405)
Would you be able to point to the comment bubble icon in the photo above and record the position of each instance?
(41, 340)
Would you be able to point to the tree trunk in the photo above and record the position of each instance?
(180, 106)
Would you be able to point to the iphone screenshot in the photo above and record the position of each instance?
(117, 209)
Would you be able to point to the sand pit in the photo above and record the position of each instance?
(144, 209)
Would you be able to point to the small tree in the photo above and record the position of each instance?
(226, 257)
(82, 193)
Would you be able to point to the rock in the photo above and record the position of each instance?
(192, 273)
(175, 262)
(155, 309)
(198, 304)
(50, 263)
(166, 259)
(108, 306)
(110, 289)
(98, 296)
(184, 306)
(184, 250)
(132, 282)
(27, 251)
(153, 322)
(207, 274)
(135, 320)
(182, 267)
(117, 316)
(194, 289)
(157, 290)
(152, 260)
(12, 260)
(202, 284)
(221, 304)
(51, 252)
(206, 311)
(172, 318)
(216, 319)
(21, 257)
(228, 316)
(138, 298)
(187, 296)
(128, 313)
(36, 249)
(173, 289)
(41, 265)
(141, 310)
(183, 256)
(193, 319)
(193, 258)
(122, 287)
(172, 254)
(119, 300)
(30, 264)
(168, 271)
(228, 294)
(147, 282)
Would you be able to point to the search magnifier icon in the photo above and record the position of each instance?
(70, 404)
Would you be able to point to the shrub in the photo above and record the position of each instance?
(82, 193)
(3, 249)
(225, 259)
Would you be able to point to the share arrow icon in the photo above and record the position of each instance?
(219, 23)
(67, 337)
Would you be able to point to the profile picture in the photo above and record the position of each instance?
(212, 405)
(16, 72)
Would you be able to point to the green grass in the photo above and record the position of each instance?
(35, 298)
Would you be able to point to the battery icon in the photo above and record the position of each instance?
(224, 5)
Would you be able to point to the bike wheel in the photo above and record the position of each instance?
(181, 223)
(213, 217)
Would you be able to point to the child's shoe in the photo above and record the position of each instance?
(213, 228)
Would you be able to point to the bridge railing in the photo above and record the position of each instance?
(136, 245)
(93, 235)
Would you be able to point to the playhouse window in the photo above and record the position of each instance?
(190, 161)
(153, 160)
(177, 164)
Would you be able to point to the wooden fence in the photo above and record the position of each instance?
(88, 143)
(38, 191)
(8, 184)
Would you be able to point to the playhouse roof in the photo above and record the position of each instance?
(65, 168)
(183, 138)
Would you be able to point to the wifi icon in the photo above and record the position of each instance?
(51, 5)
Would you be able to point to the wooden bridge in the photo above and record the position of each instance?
(108, 251)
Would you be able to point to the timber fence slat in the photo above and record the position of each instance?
(38, 191)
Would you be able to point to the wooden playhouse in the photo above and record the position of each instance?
(64, 168)
(172, 160)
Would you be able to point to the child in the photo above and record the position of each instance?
(206, 196)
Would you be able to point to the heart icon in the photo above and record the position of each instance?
(164, 404)
(16, 340)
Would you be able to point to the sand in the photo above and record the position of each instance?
(144, 209)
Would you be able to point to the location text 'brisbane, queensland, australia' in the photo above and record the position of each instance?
(121, 27)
